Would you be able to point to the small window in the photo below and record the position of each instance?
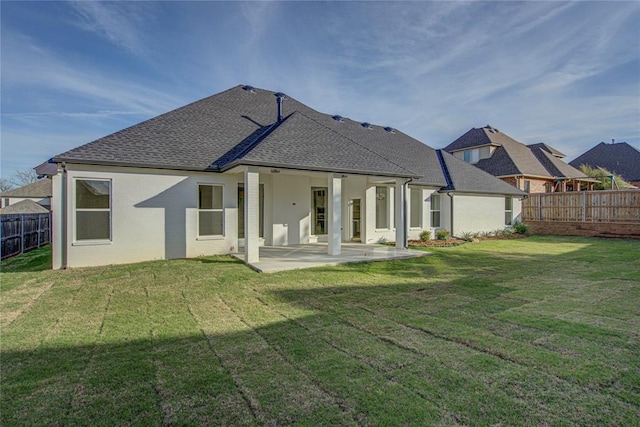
(435, 210)
(508, 210)
(210, 212)
(416, 205)
(382, 207)
(527, 186)
(93, 209)
(472, 156)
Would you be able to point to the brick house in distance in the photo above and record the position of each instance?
(534, 168)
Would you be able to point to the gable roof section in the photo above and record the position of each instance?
(555, 166)
(23, 207)
(512, 157)
(619, 157)
(40, 188)
(466, 178)
(549, 149)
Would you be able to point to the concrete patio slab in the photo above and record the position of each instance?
(282, 258)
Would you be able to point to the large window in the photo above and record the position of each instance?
(508, 210)
(93, 209)
(241, 196)
(416, 207)
(435, 210)
(382, 207)
(210, 212)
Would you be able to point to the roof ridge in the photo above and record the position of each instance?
(355, 142)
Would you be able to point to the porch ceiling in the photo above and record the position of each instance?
(282, 258)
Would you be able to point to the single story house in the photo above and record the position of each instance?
(533, 168)
(38, 192)
(248, 167)
(618, 157)
(26, 206)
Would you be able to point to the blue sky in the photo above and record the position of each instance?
(567, 74)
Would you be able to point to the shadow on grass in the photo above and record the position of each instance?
(464, 366)
(32, 261)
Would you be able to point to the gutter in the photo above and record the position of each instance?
(405, 236)
(63, 217)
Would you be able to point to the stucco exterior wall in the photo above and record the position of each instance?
(476, 212)
(153, 216)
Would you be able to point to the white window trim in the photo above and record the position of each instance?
(198, 210)
(389, 209)
(510, 211)
(91, 242)
(431, 211)
(420, 208)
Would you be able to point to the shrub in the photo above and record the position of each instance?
(442, 234)
(425, 235)
(520, 228)
(467, 235)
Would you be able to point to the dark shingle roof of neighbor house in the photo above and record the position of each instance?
(467, 178)
(549, 149)
(239, 127)
(619, 157)
(23, 207)
(40, 188)
(512, 157)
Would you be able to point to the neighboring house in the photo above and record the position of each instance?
(620, 157)
(26, 206)
(534, 168)
(39, 192)
(247, 168)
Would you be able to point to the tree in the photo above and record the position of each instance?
(5, 185)
(24, 177)
(604, 178)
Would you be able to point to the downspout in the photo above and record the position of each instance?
(451, 212)
(405, 244)
(63, 217)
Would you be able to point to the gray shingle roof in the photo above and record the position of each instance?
(620, 158)
(23, 207)
(40, 188)
(514, 158)
(549, 149)
(467, 178)
(238, 127)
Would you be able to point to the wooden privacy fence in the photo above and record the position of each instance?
(24, 232)
(622, 206)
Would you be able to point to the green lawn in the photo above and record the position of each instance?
(537, 331)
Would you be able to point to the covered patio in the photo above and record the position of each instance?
(282, 258)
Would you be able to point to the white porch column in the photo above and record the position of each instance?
(251, 215)
(400, 213)
(335, 215)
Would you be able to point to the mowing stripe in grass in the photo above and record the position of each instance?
(335, 369)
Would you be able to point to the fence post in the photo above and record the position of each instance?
(584, 207)
(38, 229)
(21, 233)
(539, 207)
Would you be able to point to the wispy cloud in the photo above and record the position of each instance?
(118, 22)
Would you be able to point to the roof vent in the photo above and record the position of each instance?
(249, 89)
(390, 129)
(367, 125)
(338, 118)
(280, 97)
